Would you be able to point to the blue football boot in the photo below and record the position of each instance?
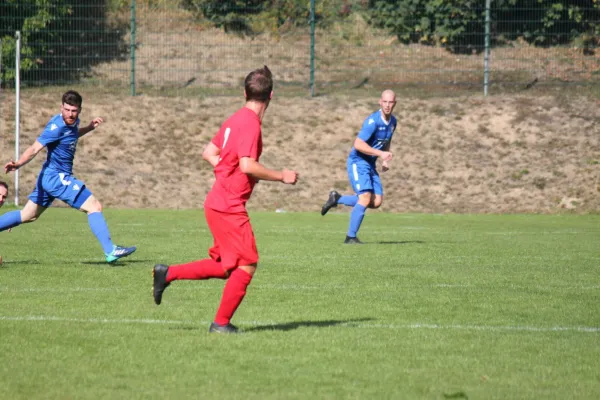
(119, 252)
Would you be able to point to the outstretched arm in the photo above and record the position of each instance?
(27, 156)
(258, 171)
(91, 126)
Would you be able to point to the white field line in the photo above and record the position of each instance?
(59, 290)
(559, 232)
(274, 324)
(397, 229)
(40, 318)
(312, 287)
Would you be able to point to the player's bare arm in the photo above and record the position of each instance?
(27, 156)
(363, 147)
(91, 126)
(211, 154)
(256, 170)
(384, 164)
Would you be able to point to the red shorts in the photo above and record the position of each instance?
(234, 243)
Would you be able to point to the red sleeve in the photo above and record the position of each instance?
(249, 145)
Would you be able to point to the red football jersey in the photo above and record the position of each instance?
(240, 136)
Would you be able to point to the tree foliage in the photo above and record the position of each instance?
(459, 24)
(547, 22)
(60, 38)
(270, 15)
(31, 18)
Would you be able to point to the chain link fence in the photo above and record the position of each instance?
(188, 48)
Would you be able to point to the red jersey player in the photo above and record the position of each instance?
(234, 153)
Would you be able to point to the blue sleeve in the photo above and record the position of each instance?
(368, 129)
(52, 132)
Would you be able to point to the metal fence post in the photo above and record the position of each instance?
(312, 48)
(132, 47)
(17, 109)
(486, 54)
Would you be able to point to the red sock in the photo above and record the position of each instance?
(203, 269)
(233, 294)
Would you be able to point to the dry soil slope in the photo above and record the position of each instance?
(497, 154)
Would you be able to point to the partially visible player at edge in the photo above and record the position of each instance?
(3, 192)
(56, 181)
(234, 153)
(373, 141)
(3, 196)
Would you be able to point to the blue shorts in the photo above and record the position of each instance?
(363, 177)
(52, 185)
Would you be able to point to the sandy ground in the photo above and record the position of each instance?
(500, 154)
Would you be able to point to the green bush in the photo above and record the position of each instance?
(232, 15)
(60, 38)
(547, 22)
(33, 18)
(459, 24)
(258, 16)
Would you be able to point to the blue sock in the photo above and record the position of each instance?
(10, 220)
(356, 217)
(100, 229)
(348, 200)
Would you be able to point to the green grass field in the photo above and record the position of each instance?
(433, 307)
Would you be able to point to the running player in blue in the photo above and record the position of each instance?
(56, 181)
(3, 196)
(372, 141)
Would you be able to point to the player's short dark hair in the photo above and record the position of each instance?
(72, 98)
(2, 183)
(259, 84)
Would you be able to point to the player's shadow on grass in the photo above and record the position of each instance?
(300, 324)
(23, 262)
(120, 263)
(399, 242)
(456, 395)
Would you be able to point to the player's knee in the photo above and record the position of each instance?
(249, 269)
(27, 217)
(365, 199)
(91, 205)
(377, 203)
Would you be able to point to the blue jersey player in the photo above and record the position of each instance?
(56, 180)
(372, 141)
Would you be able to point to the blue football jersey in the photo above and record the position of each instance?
(61, 142)
(377, 133)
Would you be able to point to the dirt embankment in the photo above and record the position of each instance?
(503, 154)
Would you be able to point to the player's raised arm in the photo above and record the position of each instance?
(27, 156)
(91, 126)
(255, 169)
(363, 147)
